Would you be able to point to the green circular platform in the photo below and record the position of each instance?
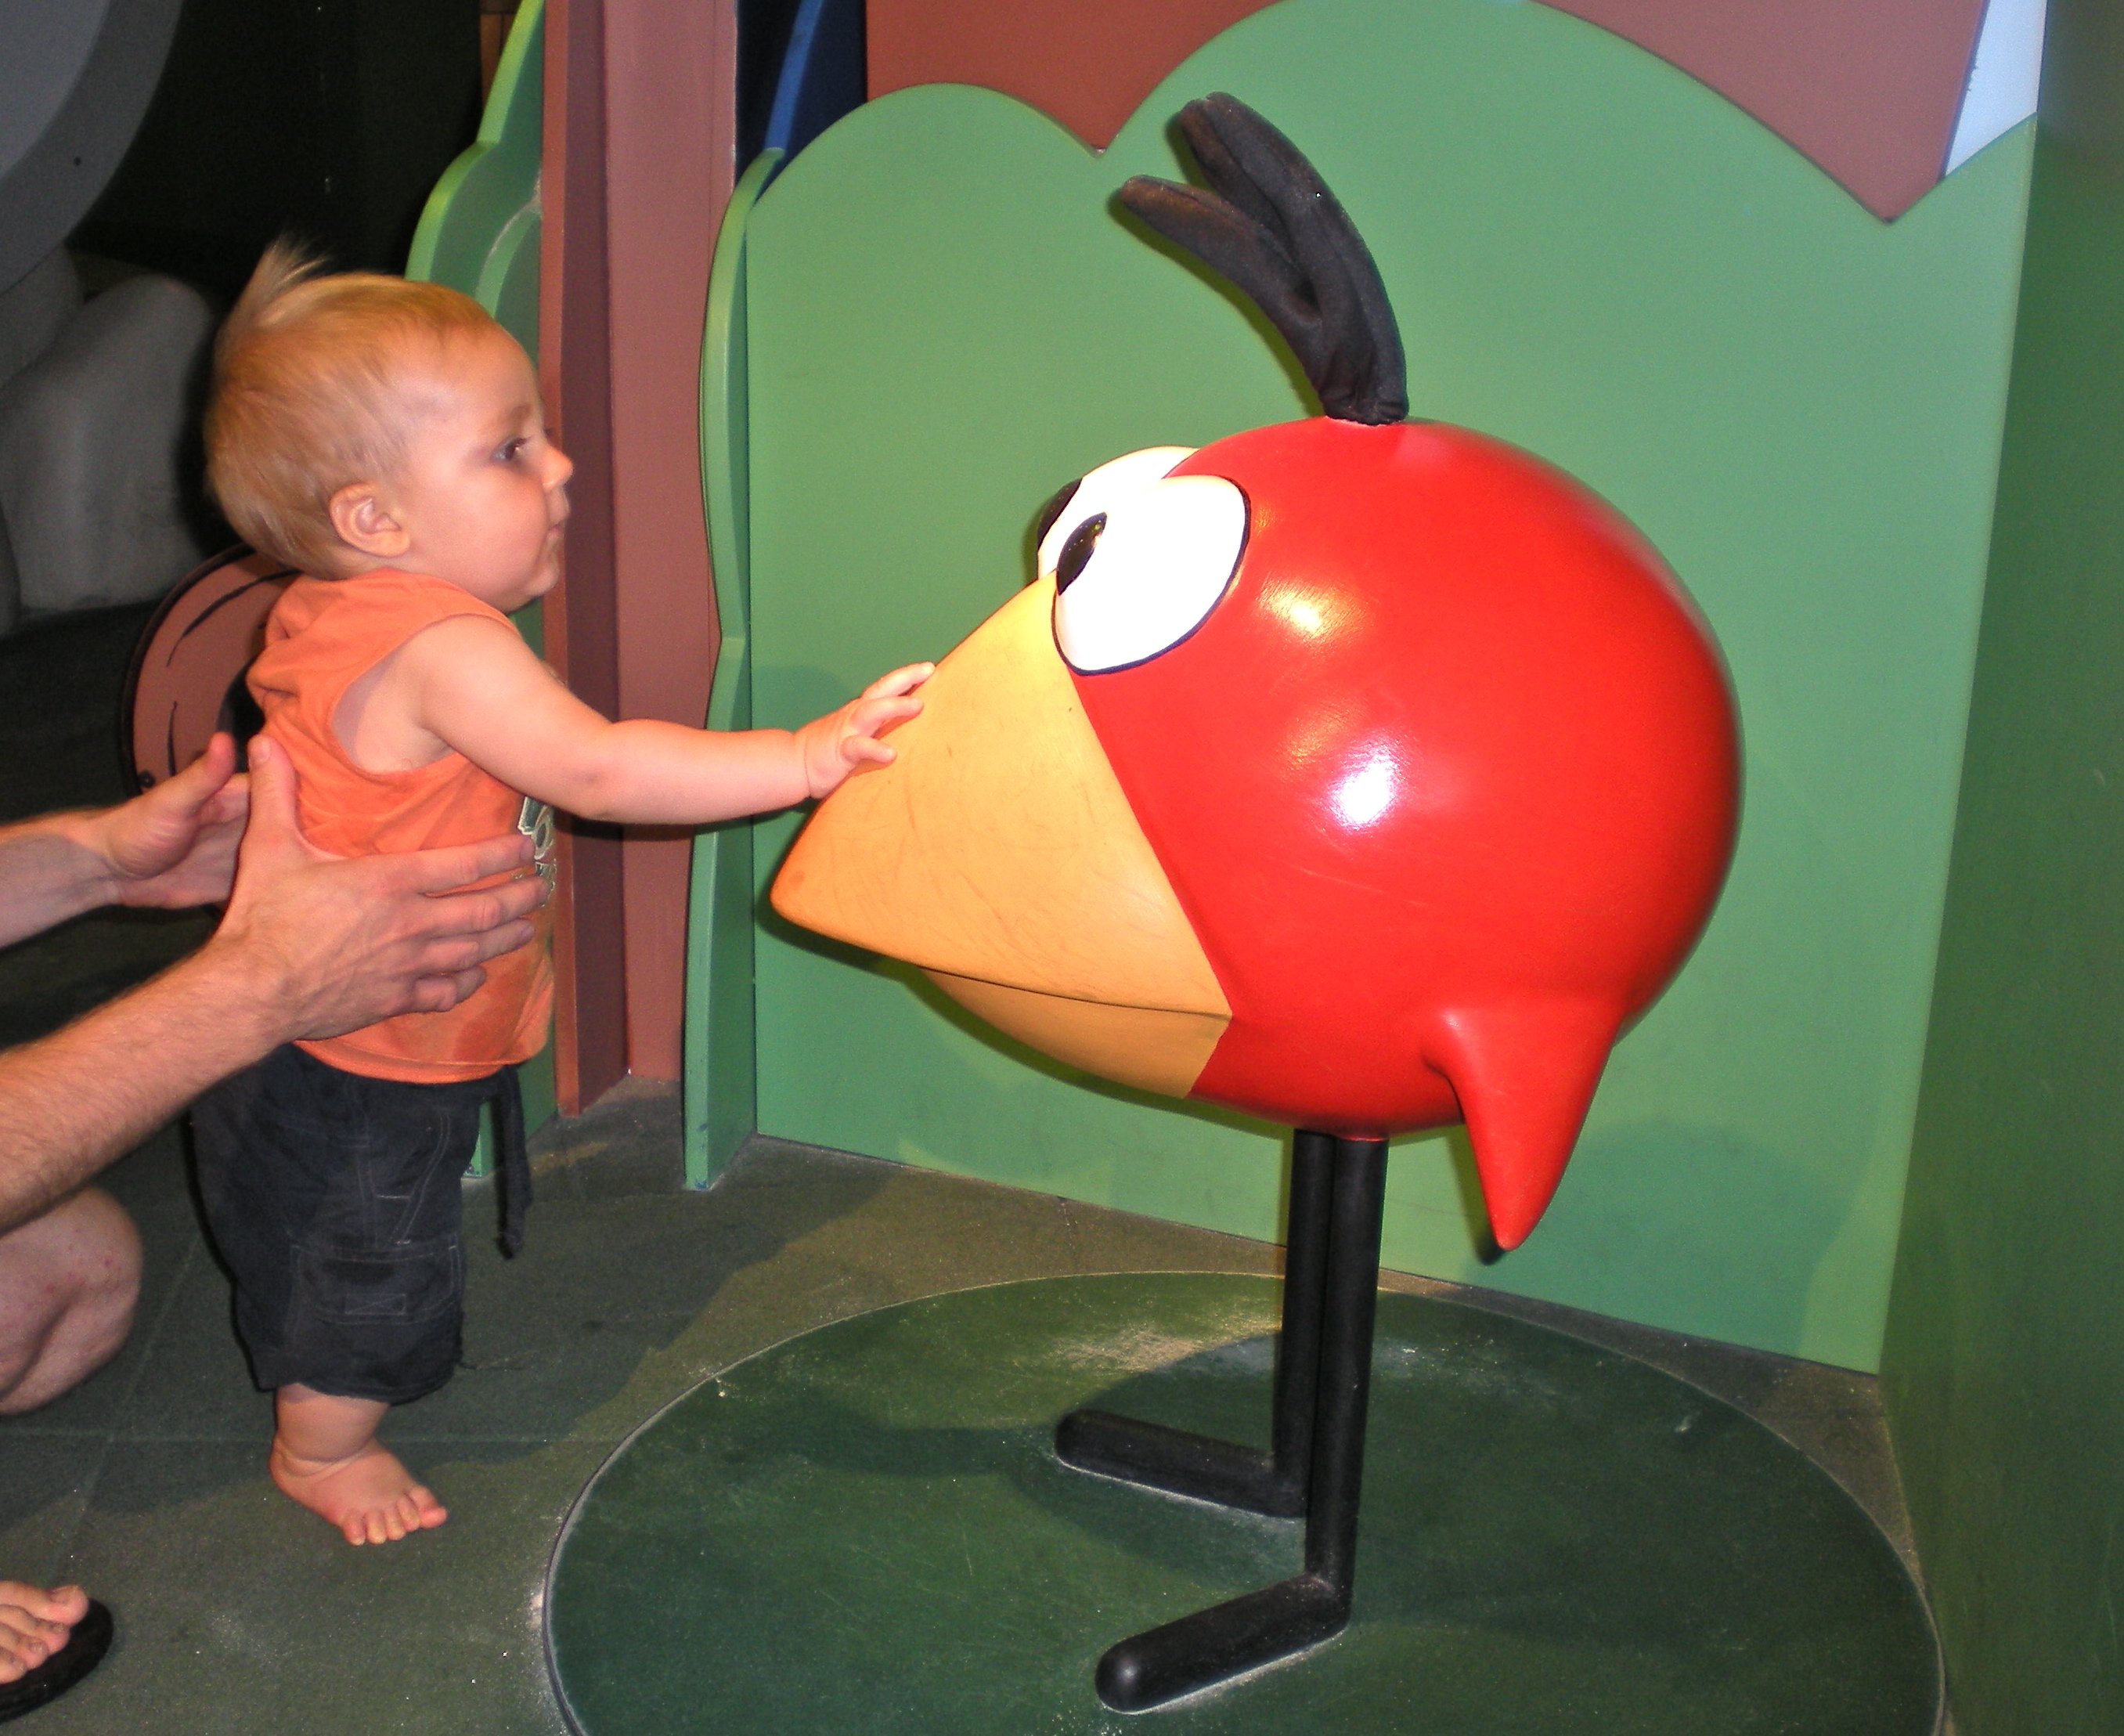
(864, 1532)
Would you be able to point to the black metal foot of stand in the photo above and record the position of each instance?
(1316, 1460)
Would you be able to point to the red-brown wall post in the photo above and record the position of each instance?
(670, 144)
(640, 130)
(589, 928)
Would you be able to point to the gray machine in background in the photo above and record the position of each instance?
(99, 397)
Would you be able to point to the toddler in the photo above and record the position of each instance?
(386, 437)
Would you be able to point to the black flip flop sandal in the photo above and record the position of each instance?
(81, 1653)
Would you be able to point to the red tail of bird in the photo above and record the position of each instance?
(1525, 1075)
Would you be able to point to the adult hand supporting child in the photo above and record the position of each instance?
(338, 943)
(311, 946)
(172, 847)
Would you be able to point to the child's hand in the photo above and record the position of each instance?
(835, 745)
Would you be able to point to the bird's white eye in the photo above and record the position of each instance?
(1096, 491)
(1139, 558)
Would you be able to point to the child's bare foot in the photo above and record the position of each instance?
(371, 1497)
(34, 1623)
(326, 1457)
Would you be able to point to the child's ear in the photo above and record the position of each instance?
(363, 521)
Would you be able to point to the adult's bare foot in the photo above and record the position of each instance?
(369, 1495)
(34, 1623)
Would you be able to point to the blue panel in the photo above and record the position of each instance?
(823, 74)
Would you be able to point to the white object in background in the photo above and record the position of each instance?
(2007, 66)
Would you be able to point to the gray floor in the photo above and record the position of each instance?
(239, 1613)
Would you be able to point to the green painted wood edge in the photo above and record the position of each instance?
(508, 280)
(479, 233)
(496, 176)
(2002, 1375)
(721, 1091)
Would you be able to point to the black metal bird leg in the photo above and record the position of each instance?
(1316, 1462)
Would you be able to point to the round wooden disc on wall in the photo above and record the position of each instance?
(187, 676)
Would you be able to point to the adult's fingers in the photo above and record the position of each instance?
(472, 912)
(144, 838)
(439, 993)
(458, 865)
(274, 830)
(506, 939)
(198, 784)
(445, 955)
(231, 801)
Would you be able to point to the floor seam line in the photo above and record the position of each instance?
(70, 1540)
(155, 1332)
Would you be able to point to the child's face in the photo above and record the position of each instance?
(482, 494)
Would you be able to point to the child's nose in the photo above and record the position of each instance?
(559, 467)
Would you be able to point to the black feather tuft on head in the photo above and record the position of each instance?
(1267, 223)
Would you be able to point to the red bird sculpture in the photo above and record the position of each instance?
(1362, 773)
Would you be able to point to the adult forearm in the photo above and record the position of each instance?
(48, 871)
(75, 1101)
(311, 946)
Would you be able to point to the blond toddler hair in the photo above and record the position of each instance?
(315, 388)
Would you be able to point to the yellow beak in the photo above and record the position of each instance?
(998, 853)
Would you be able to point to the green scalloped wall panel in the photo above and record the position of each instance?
(479, 230)
(720, 1101)
(1591, 254)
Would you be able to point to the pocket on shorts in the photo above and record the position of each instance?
(415, 1281)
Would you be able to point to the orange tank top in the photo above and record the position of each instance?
(321, 635)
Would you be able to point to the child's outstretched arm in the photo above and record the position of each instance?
(476, 686)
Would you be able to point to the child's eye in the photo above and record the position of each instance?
(511, 451)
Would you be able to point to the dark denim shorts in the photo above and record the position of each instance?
(333, 1200)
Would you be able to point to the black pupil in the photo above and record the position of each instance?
(1077, 551)
(1052, 510)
